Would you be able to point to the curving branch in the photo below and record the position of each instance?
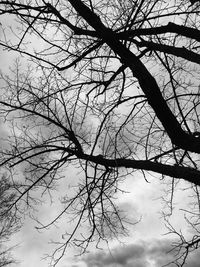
(147, 82)
(169, 28)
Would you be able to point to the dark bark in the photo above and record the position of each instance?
(147, 82)
(169, 28)
(188, 174)
(171, 50)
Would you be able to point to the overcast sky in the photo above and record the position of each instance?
(141, 248)
(145, 246)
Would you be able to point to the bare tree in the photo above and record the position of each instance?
(9, 223)
(112, 87)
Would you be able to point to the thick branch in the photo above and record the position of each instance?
(63, 20)
(145, 79)
(169, 28)
(175, 171)
(176, 51)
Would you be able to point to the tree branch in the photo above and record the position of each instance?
(147, 82)
(176, 51)
(169, 28)
(188, 174)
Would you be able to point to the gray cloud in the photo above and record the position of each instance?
(193, 260)
(140, 254)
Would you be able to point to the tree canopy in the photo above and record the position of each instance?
(109, 88)
(9, 222)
